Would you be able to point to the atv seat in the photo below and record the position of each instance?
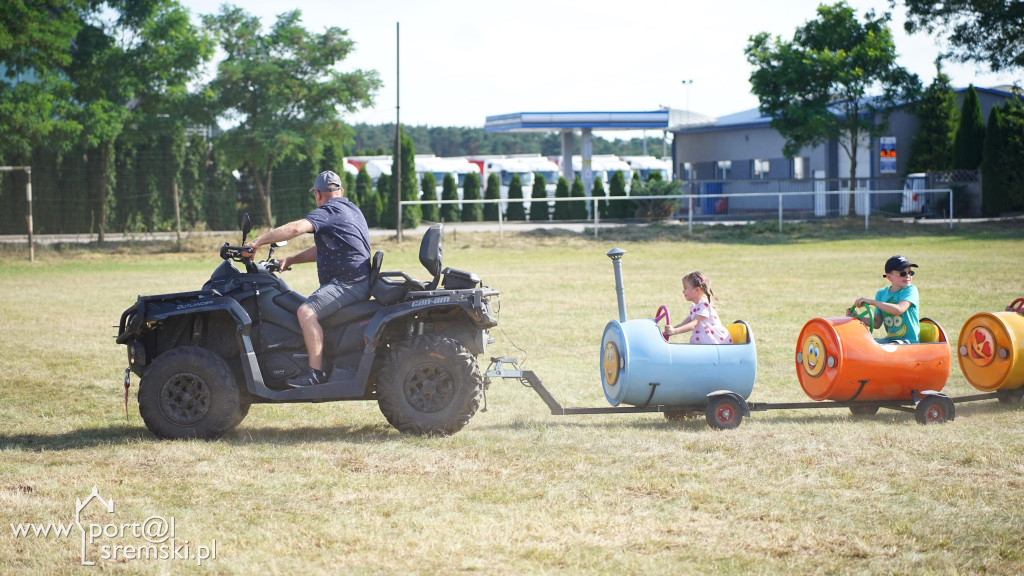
(391, 287)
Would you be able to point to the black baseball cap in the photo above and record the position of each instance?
(898, 263)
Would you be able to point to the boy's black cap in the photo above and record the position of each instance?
(898, 263)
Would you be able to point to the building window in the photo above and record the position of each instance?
(761, 168)
(686, 169)
(722, 169)
(799, 173)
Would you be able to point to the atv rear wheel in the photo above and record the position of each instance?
(189, 392)
(429, 385)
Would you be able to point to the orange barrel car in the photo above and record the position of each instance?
(991, 349)
(837, 359)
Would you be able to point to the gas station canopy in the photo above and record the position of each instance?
(548, 121)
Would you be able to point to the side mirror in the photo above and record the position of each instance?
(246, 225)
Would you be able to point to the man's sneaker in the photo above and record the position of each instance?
(310, 378)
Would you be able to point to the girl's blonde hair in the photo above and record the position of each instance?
(700, 280)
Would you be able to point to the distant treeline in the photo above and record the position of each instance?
(456, 141)
(211, 191)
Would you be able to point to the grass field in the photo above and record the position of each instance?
(332, 489)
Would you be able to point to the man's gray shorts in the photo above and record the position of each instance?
(335, 295)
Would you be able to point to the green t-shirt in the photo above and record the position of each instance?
(905, 325)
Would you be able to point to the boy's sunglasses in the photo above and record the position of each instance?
(903, 273)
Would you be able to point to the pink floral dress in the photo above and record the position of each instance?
(709, 329)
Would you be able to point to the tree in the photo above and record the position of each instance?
(348, 183)
(983, 32)
(1012, 150)
(1002, 175)
(577, 210)
(471, 211)
(516, 210)
(364, 191)
(382, 199)
(636, 188)
(429, 186)
(562, 208)
(492, 210)
(617, 204)
(283, 89)
(970, 136)
(599, 193)
(539, 196)
(411, 214)
(655, 209)
(36, 105)
(837, 79)
(995, 194)
(932, 146)
(449, 191)
(132, 62)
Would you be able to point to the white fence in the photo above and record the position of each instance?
(800, 206)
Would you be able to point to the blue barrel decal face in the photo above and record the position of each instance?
(612, 363)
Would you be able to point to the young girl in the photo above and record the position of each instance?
(703, 319)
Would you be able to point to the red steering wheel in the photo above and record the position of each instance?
(1017, 306)
(663, 313)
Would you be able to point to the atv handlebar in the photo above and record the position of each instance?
(238, 254)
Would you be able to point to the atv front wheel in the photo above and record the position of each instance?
(429, 385)
(189, 392)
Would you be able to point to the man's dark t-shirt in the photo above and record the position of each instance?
(342, 241)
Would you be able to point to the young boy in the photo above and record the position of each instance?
(897, 304)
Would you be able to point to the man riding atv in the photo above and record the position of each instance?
(341, 251)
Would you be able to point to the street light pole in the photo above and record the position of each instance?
(687, 83)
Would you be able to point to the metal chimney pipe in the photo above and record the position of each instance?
(616, 255)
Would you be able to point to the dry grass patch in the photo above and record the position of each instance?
(331, 488)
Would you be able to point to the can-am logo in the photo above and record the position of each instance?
(431, 301)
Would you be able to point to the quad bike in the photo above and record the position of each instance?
(205, 356)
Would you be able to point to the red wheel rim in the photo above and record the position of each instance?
(934, 413)
(725, 414)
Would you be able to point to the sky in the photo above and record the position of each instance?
(464, 60)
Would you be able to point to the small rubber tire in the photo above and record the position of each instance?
(864, 410)
(723, 413)
(189, 392)
(429, 385)
(934, 410)
(1012, 397)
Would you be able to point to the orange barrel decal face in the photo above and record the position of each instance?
(818, 356)
(837, 359)
(990, 350)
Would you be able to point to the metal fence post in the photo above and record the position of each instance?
(780, 212)
(689, 215)
(950, 208)
(867, 207)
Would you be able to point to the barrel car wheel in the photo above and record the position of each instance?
(723, 413)
(934, 410)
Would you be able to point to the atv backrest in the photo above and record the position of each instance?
(431, 253)
(375, 263)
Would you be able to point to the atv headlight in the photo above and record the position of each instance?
(137, 354)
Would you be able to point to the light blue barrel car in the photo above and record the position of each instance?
(639, 368)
